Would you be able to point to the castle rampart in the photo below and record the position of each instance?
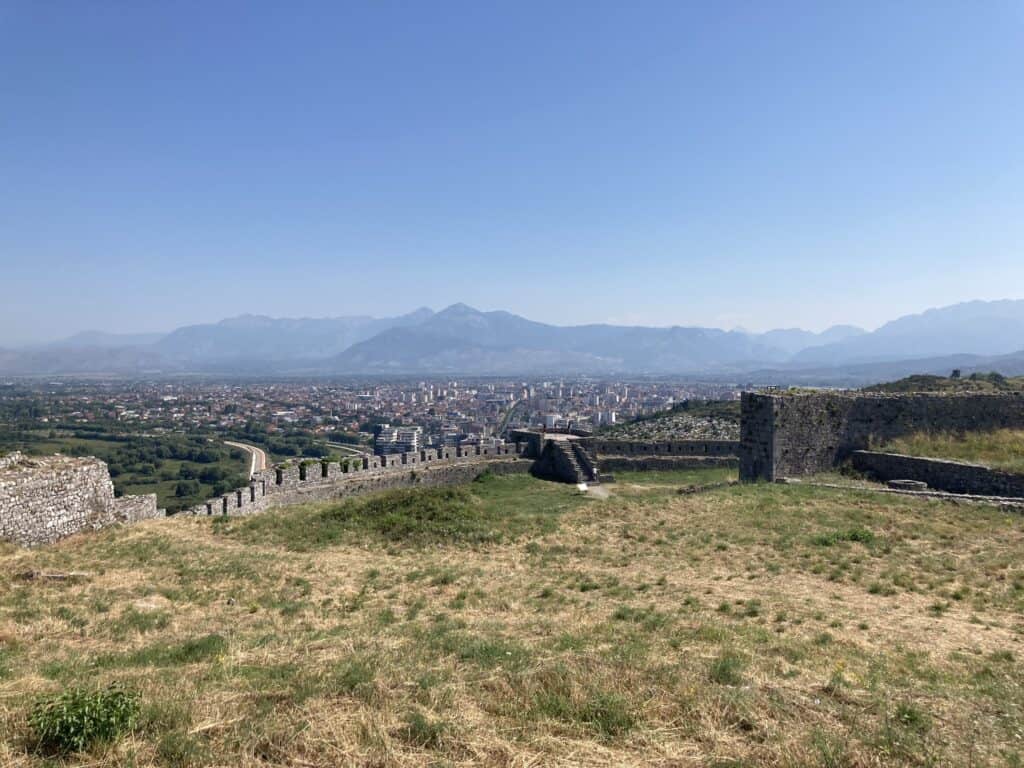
(793, 434)
(64, 495)
(318, 480)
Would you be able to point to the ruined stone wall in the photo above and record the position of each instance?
(43, 499)
(789, 435)
(940, 474)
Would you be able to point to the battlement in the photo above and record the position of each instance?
(316, 480)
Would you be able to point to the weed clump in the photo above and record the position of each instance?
(727, 669)
(608, 714)
(77, 719)
(419, 730)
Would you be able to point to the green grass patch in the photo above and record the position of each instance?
(493, 509)
(556, 695)
(831, 538)
(423, 731)
(169, 654)
(677, 477)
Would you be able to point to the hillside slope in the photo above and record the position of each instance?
(517, 621)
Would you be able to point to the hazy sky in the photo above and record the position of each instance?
(760, 164)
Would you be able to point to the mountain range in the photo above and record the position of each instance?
(463, 340)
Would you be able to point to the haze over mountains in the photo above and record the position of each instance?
(463, 340)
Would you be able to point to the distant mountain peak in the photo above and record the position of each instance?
(460, 309)
(246, 320)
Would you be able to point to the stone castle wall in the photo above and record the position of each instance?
(43, 499)
(789, 435)
(940, 474)
(315, 480)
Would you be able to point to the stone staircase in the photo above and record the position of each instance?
(587, 463)
(580, 465)
(568, 462)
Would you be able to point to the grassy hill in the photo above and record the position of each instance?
(513, 621)
(976, 382)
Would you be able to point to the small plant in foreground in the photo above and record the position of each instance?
(80, 718)
(912, 717)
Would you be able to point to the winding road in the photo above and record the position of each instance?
(257, 455)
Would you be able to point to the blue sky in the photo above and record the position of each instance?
(737, 163)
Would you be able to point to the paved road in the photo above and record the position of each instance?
(349, 448)
(258, 456)
(508, 415)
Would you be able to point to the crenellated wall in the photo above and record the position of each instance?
(314, 480)
(43, 499)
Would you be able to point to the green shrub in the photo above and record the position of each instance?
(78, 719)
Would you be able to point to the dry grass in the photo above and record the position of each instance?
(751, 625)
